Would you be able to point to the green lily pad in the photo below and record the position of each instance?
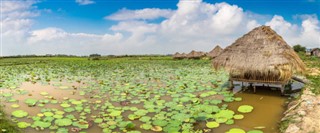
(255, 131)
(63, 122)
(236, 130)
(44, 93)
(76, 102)
(69, 109)
(31, 102)
(156, 128)
(146, 126)
(225, 114)
(23, 124)
(230, 122)
(98, 120)
(245, 108)
(57, 116)
(19, 113)
(64, 87)
(41, 124)
(81, 124)
(160, 123)
(65, 105)
(7, 94)
(115, 113)
(238, 117)
(212, 124)
(48, 113)
(15, 106)
(238, 99)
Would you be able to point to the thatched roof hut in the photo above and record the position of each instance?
(196, 55)
(315, 52)
(179, 56)
(215, 52)
(260, 56)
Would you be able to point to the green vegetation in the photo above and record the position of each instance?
(119, 93)
(313, 73)
(298, 48)
(6, 126)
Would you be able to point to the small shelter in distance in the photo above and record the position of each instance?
(179, 56)
(315, 52)
(260, 56)
(196, 55)
(215, 52)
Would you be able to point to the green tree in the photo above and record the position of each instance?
(299, 48)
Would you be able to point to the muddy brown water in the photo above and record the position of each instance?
(268, 111)
(268, 107)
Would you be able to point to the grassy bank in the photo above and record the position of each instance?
(313, 72)
(6, 126)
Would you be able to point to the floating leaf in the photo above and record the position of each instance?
(212, 124)
(156, 128)
(238, 117)
(19, 113)
(41, 124)
(44, 93)
(255, 131)
(31, 102)
(245, 108)
(160, 123)
(63, 122)
(236, 130)
(65, 105)
(15, 106)
(23, 124)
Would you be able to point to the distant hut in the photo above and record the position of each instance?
(179, 56)
(215, 52)
(315, 52)
(260, 56)
(196, 55)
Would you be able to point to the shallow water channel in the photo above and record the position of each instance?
(268, 107)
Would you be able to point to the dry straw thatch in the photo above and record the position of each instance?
(215, 52)
(196, 55)
(179, 56)
(260, 56)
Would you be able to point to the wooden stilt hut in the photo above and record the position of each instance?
(260, 56)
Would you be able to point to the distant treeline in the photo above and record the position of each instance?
(84, 56)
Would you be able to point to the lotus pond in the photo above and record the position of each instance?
(129, 95)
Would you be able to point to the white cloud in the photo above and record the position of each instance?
(193, 25)
(143, 14)
(308, 34)
(85, 2)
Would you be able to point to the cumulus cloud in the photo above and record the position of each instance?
(85, 2)
(308, 34)
(193, 25)
(143, 14)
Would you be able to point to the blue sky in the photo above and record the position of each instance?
(149, 26)
(71, 15)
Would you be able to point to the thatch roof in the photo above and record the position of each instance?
(196, 54)
(177, 55)
(215, 52)
(260, 55)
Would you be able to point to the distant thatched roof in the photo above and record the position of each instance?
(260, 55)
(215, 52)
(177, 55)
(195, 55)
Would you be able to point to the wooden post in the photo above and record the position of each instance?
(254, 89)
(282, 90)
(231, 85)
